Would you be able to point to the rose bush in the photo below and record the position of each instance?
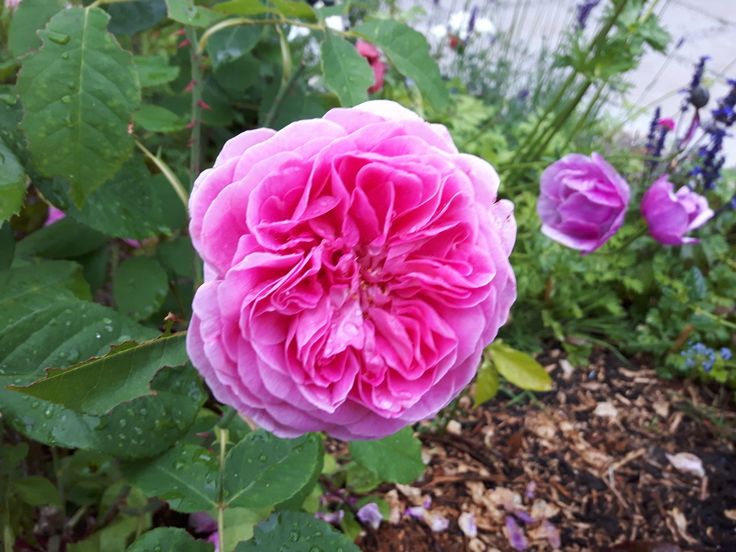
(355, 268)
(670, 215)
(582, 202)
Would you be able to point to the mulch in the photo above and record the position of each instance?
(584, 467)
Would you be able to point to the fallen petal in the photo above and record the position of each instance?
(687, 462)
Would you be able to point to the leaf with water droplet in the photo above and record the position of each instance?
(293, 531)
(281, 473)
(169, 539)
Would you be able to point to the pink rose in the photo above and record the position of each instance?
(11, 4)
(373, 56)
(582, 201)
(355, 268)
(671, 215)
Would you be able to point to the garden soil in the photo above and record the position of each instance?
(586, 464)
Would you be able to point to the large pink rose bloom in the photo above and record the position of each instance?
(355, 268)
(670, 215)
(582, 201)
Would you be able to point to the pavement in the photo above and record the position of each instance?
(700, 27)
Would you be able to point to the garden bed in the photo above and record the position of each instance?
(590, 458)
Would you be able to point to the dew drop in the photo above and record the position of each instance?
(59, 38)
(66, 99)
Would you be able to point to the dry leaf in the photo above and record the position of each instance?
(606, 410)
(687, 462)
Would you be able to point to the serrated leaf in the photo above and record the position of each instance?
(131, 17)
(519, 368)
(97, 385)
(346, 72)
(78, 92)
(184, 11)
(133, 204)
(232, 43)
(37, 491)
(297, 532)
(396, 458)
(408, 51)
(29, 16)
(154, 118)
(13, 183)
(263, 470)
(169, 539)
(139, 287)
(186, 476)
(486, 383)
(154, 70)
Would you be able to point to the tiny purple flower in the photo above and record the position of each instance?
(371, 515)
(516, 535)
(331, 517)
(467, 525)
(439, 523)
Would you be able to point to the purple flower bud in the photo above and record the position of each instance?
(522, 516)
(671, 215)
(371, 515)
(416, 512)
(202, 522)
(583, 12)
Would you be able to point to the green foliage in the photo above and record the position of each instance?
(98, 385)
(519, 368)
(396, 458)
(29, 17)
(169, 539)
(297, 532)
(82, 133)
(408, 51)
(346, 72)
(13, 182)
(139, 287)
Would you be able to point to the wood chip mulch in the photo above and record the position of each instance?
(588, 466)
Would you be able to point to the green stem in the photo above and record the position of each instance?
(222, 437)
(195, 143)
(584, 118)
(559, 121)
(167, 172)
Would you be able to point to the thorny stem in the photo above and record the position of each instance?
(195, 143)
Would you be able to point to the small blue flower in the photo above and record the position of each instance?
(583, 12)
(725, 353)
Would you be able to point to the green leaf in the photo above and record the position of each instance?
(13, 183)
(29, 16)
(139, 287)
(78, 91)
(346, 72)
(154, 70)
(486, 383)
(186, 476)
(295, 502)
(97, 385)
(293, 9)
(263, 470)
(396, 458)
(296, 532)
(243, 7)
(37, 491)
(114, 537)
(177, 256)
(154, 118)
(408, 51)
(7, 245)
(360, 479)
(131, 17)
(239, 524)
(519, 368)
(169, 539)
(64, 239)
(133, 204)
(233, 43)
(184, 11)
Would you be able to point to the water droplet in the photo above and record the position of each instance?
(65, 55)
(315, 548)
(66, 99)
(34, 404)
(293, 536)
(59, 38)
(262, 458)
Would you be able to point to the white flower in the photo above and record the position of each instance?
(335, 22)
